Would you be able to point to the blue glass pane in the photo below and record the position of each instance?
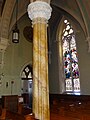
(67, 64)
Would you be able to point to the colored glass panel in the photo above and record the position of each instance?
(69, 85)
(71, 69)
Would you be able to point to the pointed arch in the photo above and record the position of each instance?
(26, 66)
(68, 58)
(60, 59)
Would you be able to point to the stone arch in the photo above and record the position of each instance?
(76, 17)
(6, 21)
(6, 16)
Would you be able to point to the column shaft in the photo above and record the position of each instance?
(40, 70)
(39, 12)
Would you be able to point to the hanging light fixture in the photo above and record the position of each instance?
(15, 32)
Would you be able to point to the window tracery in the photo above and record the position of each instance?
(70, 59)
(27, 73)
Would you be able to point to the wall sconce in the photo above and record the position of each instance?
(12, 82)
(15, 32)
(6, 84)
(0, 82)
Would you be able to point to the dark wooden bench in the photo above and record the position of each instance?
(70, 106)
(8, 115)
(16, 116)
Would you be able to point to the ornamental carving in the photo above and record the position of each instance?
(39, 9)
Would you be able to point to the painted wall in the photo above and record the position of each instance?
(15, 58)
(83, 56)
(18, 55)
(84, 62)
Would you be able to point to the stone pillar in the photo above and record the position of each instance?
(39, 12)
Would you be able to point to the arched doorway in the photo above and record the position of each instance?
(27, 79)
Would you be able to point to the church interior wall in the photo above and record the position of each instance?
(16, 56)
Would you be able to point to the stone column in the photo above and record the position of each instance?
(39, 12)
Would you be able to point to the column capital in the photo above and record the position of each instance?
(39, 9)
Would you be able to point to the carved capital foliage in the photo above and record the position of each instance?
(39, 9)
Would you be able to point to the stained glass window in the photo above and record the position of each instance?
(27, 73)
(70, 59)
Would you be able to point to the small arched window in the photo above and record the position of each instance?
(27, 73)
(70, 59)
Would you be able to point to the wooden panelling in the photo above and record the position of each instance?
(10, 102)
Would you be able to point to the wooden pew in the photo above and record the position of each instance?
(8, 115)
(23, 109)
(16, 116)
(29, 117)
(67, 106)
(58, 117)
(3, 114)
